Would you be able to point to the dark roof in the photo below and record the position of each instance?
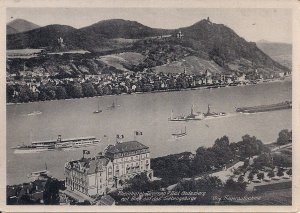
(125, 147)
(91, 164)
(98, 162)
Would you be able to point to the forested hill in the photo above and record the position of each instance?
(205, 40)
(20, 25)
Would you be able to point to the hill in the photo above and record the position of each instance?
(119, 28)
(214, 45)
(39, 38)
(20, 25)
(226, 48)
(280, 52)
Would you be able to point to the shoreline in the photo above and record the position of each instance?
(163, 91)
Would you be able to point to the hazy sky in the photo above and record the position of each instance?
(252, 24)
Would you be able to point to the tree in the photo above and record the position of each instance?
(88, 90)
(241, 178)
(280, 172)
(232, 185)
(222, 150)
(271, 174)
(25, 94)
(204, 160)
(250, 146)
(284, 137)
(282, 160)
(289, 172)
(9, 93)
(139, 183)
(260, 176)
(206, 183)
(262, 161)
(74, 90)
(50, 92)
(51, 192)
(61, 92)
(250, 176)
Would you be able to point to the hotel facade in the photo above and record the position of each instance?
(97, 175)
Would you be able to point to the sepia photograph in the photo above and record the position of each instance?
(141, 106)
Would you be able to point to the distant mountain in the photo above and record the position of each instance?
(19, 26)
(280, 52)
(119, 28)
(38, 38)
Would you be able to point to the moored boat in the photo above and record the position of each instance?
(210, 114)
(265, 108)
(98, 108)
(34, 113)
(59, 144)
(181, 134)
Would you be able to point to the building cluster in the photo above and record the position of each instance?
(32, 192)
(89, 178)
(130, 82)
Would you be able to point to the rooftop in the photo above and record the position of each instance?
(90, 165)
(125, 147)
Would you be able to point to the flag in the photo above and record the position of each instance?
(138, 133)
(86, 152)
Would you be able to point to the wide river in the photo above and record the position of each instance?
(147, 113)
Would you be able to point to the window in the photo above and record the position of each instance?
(109, 171)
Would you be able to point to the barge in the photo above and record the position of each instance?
(265, 108)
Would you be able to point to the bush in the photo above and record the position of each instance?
(234, 186)
(284, 137)
(260, 176)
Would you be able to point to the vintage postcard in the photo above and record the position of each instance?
(150, 106)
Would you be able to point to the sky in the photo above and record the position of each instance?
(273, 25)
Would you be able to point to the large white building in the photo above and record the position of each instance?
(96, 175)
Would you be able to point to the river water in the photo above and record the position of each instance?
(147, 113)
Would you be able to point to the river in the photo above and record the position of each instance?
(147, 113)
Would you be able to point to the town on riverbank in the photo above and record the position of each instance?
(192, 110)
(245, 173)
(30, 86)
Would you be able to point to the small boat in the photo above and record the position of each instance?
(181, 134)
(193, 116)
(34, 113)
(39, 174)
(98, 109)
(178, 118)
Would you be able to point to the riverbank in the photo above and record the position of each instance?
(210, 87)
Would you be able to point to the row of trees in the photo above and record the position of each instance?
(172, 168)
(210, 185)
(23, 93)
(23, 194)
